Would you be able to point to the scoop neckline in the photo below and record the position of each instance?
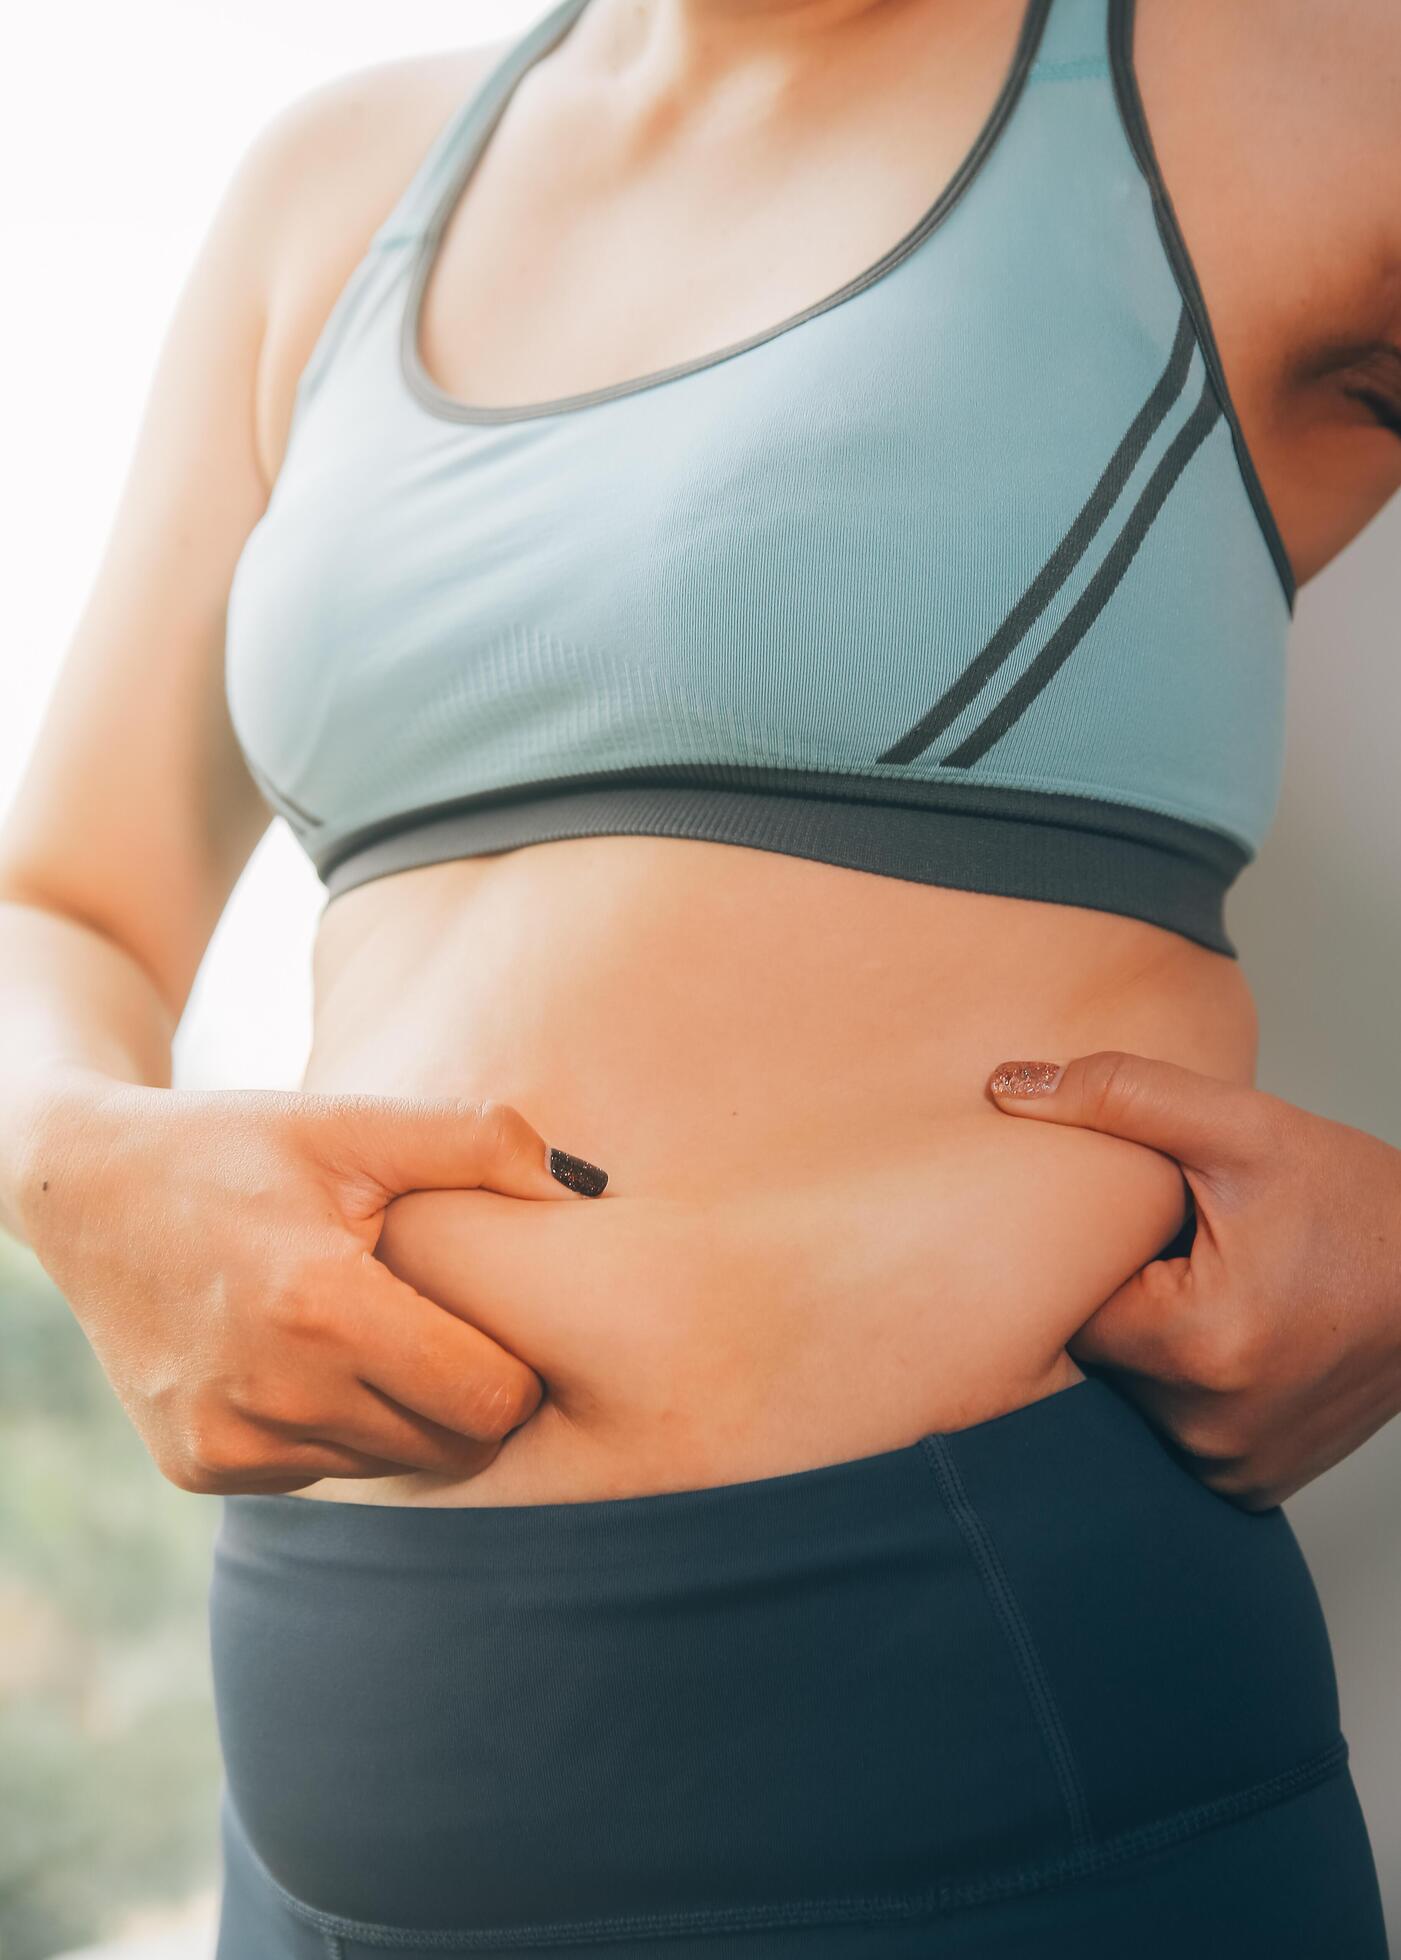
(494, 97)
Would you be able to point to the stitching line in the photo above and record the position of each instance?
(879, 1907)
(986, 1557)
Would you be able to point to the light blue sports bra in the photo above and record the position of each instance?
(962, 574)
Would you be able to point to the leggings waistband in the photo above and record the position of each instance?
(989, 1659)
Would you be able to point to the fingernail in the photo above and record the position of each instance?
(585, 1178)
(1025, 1078)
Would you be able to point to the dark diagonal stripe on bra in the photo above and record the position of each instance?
(1062, 561)
(1098, 591)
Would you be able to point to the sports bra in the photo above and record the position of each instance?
(962, 574)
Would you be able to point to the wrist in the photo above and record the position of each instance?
(50, 1120)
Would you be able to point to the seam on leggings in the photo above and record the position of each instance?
(1006, 1605)
(949, 1896)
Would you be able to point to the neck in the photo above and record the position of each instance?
(688, 41)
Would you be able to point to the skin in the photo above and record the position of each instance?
(821, 1236)
(1269, 1352)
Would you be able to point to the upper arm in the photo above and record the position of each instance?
(1341, 261)
(137, 813)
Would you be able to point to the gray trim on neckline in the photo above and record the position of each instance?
(491, 103)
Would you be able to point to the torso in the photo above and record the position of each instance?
(819, 1238)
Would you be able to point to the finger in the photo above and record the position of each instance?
(385, 1146)
(314, 1458)
(370, 1427)
(1202, 1120)
(1143, 1327)
(293, 1465)
(335, 1459)
(435, 1364)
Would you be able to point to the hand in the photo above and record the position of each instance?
(218, 1250)
(1273, 1348)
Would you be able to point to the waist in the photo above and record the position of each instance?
(818, 1236)
(674, 999)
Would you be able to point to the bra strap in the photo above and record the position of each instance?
(1074, 41)
(427, 199)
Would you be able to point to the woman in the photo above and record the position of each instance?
(739, 678)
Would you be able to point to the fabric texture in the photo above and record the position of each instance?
(961, 574)
(1023, 1688)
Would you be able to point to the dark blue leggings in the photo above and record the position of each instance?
(1025, 1690)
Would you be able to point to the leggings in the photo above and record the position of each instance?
(1025, 1689)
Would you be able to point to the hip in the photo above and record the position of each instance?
(989, 1672)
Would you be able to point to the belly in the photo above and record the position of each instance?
(819, 1238)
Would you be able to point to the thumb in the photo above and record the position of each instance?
(384, 1146)
(1201, 1120)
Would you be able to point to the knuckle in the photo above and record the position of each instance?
(217, 1446)
(299, 1300)
(245, 1392)
(254, 1386)
(188, 1477)
(503, 1130)
(178, 1468)
(278, 1400)
(1104, 1083)
(503, 1402)
(210, 1462)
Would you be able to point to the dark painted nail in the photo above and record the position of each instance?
(585, 1178)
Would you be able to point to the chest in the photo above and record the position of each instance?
(975, 512)
(614, 227)
(582, 257)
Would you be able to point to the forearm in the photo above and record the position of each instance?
(77, 1012)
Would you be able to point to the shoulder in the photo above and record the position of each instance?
(1297, 99)
(1275, 123)
(314, 184)
(1331, 71)
(338, 155)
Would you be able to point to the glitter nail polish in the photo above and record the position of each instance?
(1025, 1078)
(576, 1172)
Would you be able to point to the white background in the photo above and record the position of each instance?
(119, 127)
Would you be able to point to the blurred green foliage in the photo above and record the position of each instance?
(109, 1761)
